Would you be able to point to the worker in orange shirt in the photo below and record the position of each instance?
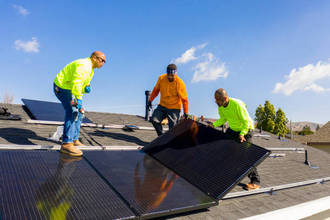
(173, 95)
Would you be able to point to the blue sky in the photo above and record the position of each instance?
(257, 50)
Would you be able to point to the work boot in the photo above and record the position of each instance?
(70, 149)
(77, 143)
(251, 186)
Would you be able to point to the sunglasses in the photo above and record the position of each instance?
(170, 71)
(102, 60)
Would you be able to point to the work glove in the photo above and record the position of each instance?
(209, 124)
(185, 115)
(149, 105)
(88, 89)
(79, 104)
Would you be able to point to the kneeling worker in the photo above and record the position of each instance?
(69, 86)
(240, 123)
(173, 96)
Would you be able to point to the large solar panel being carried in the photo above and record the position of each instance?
(206, 157)
(47, 111)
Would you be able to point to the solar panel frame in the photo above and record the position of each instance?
(47, 111)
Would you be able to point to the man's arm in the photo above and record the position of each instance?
(244, 117)
(78, 82)
(77, 87)
(182, 91)
(155, 91)
(220, 121)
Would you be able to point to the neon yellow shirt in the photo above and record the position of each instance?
(237, 116)
(75, 76)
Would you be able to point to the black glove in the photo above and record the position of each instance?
(185, 115)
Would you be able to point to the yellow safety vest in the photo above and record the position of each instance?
(75, 76)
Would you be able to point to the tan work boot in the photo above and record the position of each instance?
(251, 186)
(77, 143)
(70, 149)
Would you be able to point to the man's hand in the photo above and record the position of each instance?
(242, 138)
(79, 104)
(88, 89)
(185, 115)
(209, 124)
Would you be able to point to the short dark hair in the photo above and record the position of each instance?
(171, 67)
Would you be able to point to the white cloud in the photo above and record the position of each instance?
(315, 88)
(189, 54)
(23, 11)
(28, 46)
(210, 69)
(304, 79)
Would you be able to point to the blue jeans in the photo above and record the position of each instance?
(72, 121)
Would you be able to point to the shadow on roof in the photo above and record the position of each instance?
(21, 136)
(119, 136)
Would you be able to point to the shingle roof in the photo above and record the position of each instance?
(273, 171)
(320, 136)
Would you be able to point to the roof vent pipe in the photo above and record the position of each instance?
(147, 115)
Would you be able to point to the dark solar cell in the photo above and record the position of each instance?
(47, 111)
(206, 157)
(49, 185)
(151, 189)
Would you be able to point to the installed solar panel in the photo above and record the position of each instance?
(47, 111)
(49, 185)
(205, 156)
(150, 188)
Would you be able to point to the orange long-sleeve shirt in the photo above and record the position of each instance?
(173, 95)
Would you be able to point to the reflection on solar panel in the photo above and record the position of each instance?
(46, 185)
(151, 189)
(47, 111)
(206, 157)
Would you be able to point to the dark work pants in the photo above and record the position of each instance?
(160, 113)
(253, 175)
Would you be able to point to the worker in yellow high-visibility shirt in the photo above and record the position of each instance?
(173, 96)
(234, 112)
(69, 86)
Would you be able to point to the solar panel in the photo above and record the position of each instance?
(46, 185)
(151, 189)
(47, 111)
(205, 156)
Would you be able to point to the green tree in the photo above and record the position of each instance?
(317, 127)
(260, 116)
(268, 124)
(280, 123)
(306, 131)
